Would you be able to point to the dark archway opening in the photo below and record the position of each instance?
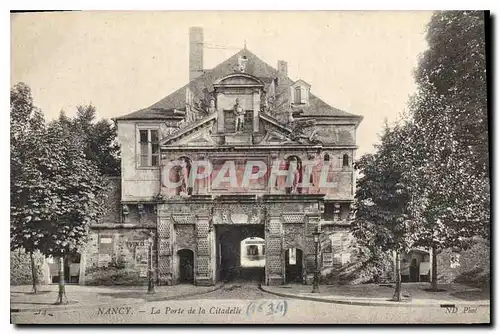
(414, 271)
(186, 266)
(294, 265)
(229, 252)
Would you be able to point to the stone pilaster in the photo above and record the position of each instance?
(311, 227)
(164, 231)
(203, 273)
(274, 251)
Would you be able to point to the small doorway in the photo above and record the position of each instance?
(186, 266)
(414, 271)
(293, 266)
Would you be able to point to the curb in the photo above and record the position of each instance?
(144, 300)
(368, 303)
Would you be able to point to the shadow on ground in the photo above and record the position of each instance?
(30, 293)
(45, 303)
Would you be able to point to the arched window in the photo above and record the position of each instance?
(345, 160)
(326, 157)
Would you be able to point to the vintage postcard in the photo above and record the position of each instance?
(249, 167)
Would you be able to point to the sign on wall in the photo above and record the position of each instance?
(327, 259)
(105, 244)
(141, 260)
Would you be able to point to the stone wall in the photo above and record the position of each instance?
(116, 256)
(338, 254)
(112, 206)
(471, 266)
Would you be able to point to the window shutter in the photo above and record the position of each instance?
(303, 94)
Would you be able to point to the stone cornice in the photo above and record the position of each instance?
(107, 226)
(226, 148)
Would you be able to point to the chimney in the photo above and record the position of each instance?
(195, 52)
(282, 68)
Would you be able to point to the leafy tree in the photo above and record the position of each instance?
(447, 147)
(455, 66)
(381, 200)
(80, 191)
(56, 192)
(99, 138)
(31, 194)
(449, 200)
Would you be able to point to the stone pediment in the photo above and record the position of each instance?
(202, 138)
(196, 133)
(238, 80)
(199, 133)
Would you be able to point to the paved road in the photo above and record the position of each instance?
(249, 291)
(245, 303)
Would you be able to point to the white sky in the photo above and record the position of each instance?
(361, 62)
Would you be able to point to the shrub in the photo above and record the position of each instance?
(117, 273)
(20, 268)
(369, 267)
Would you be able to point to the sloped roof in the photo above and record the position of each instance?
(164, 109)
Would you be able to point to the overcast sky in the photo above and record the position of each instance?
(361, 62)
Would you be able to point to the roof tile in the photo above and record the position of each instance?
(164, 109)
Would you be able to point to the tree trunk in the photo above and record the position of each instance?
(397, 292)
(434, 280)
(61, 298)
(33, 274)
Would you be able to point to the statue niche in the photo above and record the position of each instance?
(294, 167)
(182, 173)
(239, 114)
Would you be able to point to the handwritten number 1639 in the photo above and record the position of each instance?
(267, 307)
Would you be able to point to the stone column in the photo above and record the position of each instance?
(274, 251)
(164, 230)
(204, 276)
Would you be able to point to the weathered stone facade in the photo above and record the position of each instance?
(241, 113)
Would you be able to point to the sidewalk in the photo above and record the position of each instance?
(378, 295)
(22, 300)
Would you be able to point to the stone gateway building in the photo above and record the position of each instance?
(228, 178)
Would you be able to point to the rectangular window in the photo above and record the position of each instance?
(149, 147)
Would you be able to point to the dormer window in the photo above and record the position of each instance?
(300, 92)
(297, 99)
